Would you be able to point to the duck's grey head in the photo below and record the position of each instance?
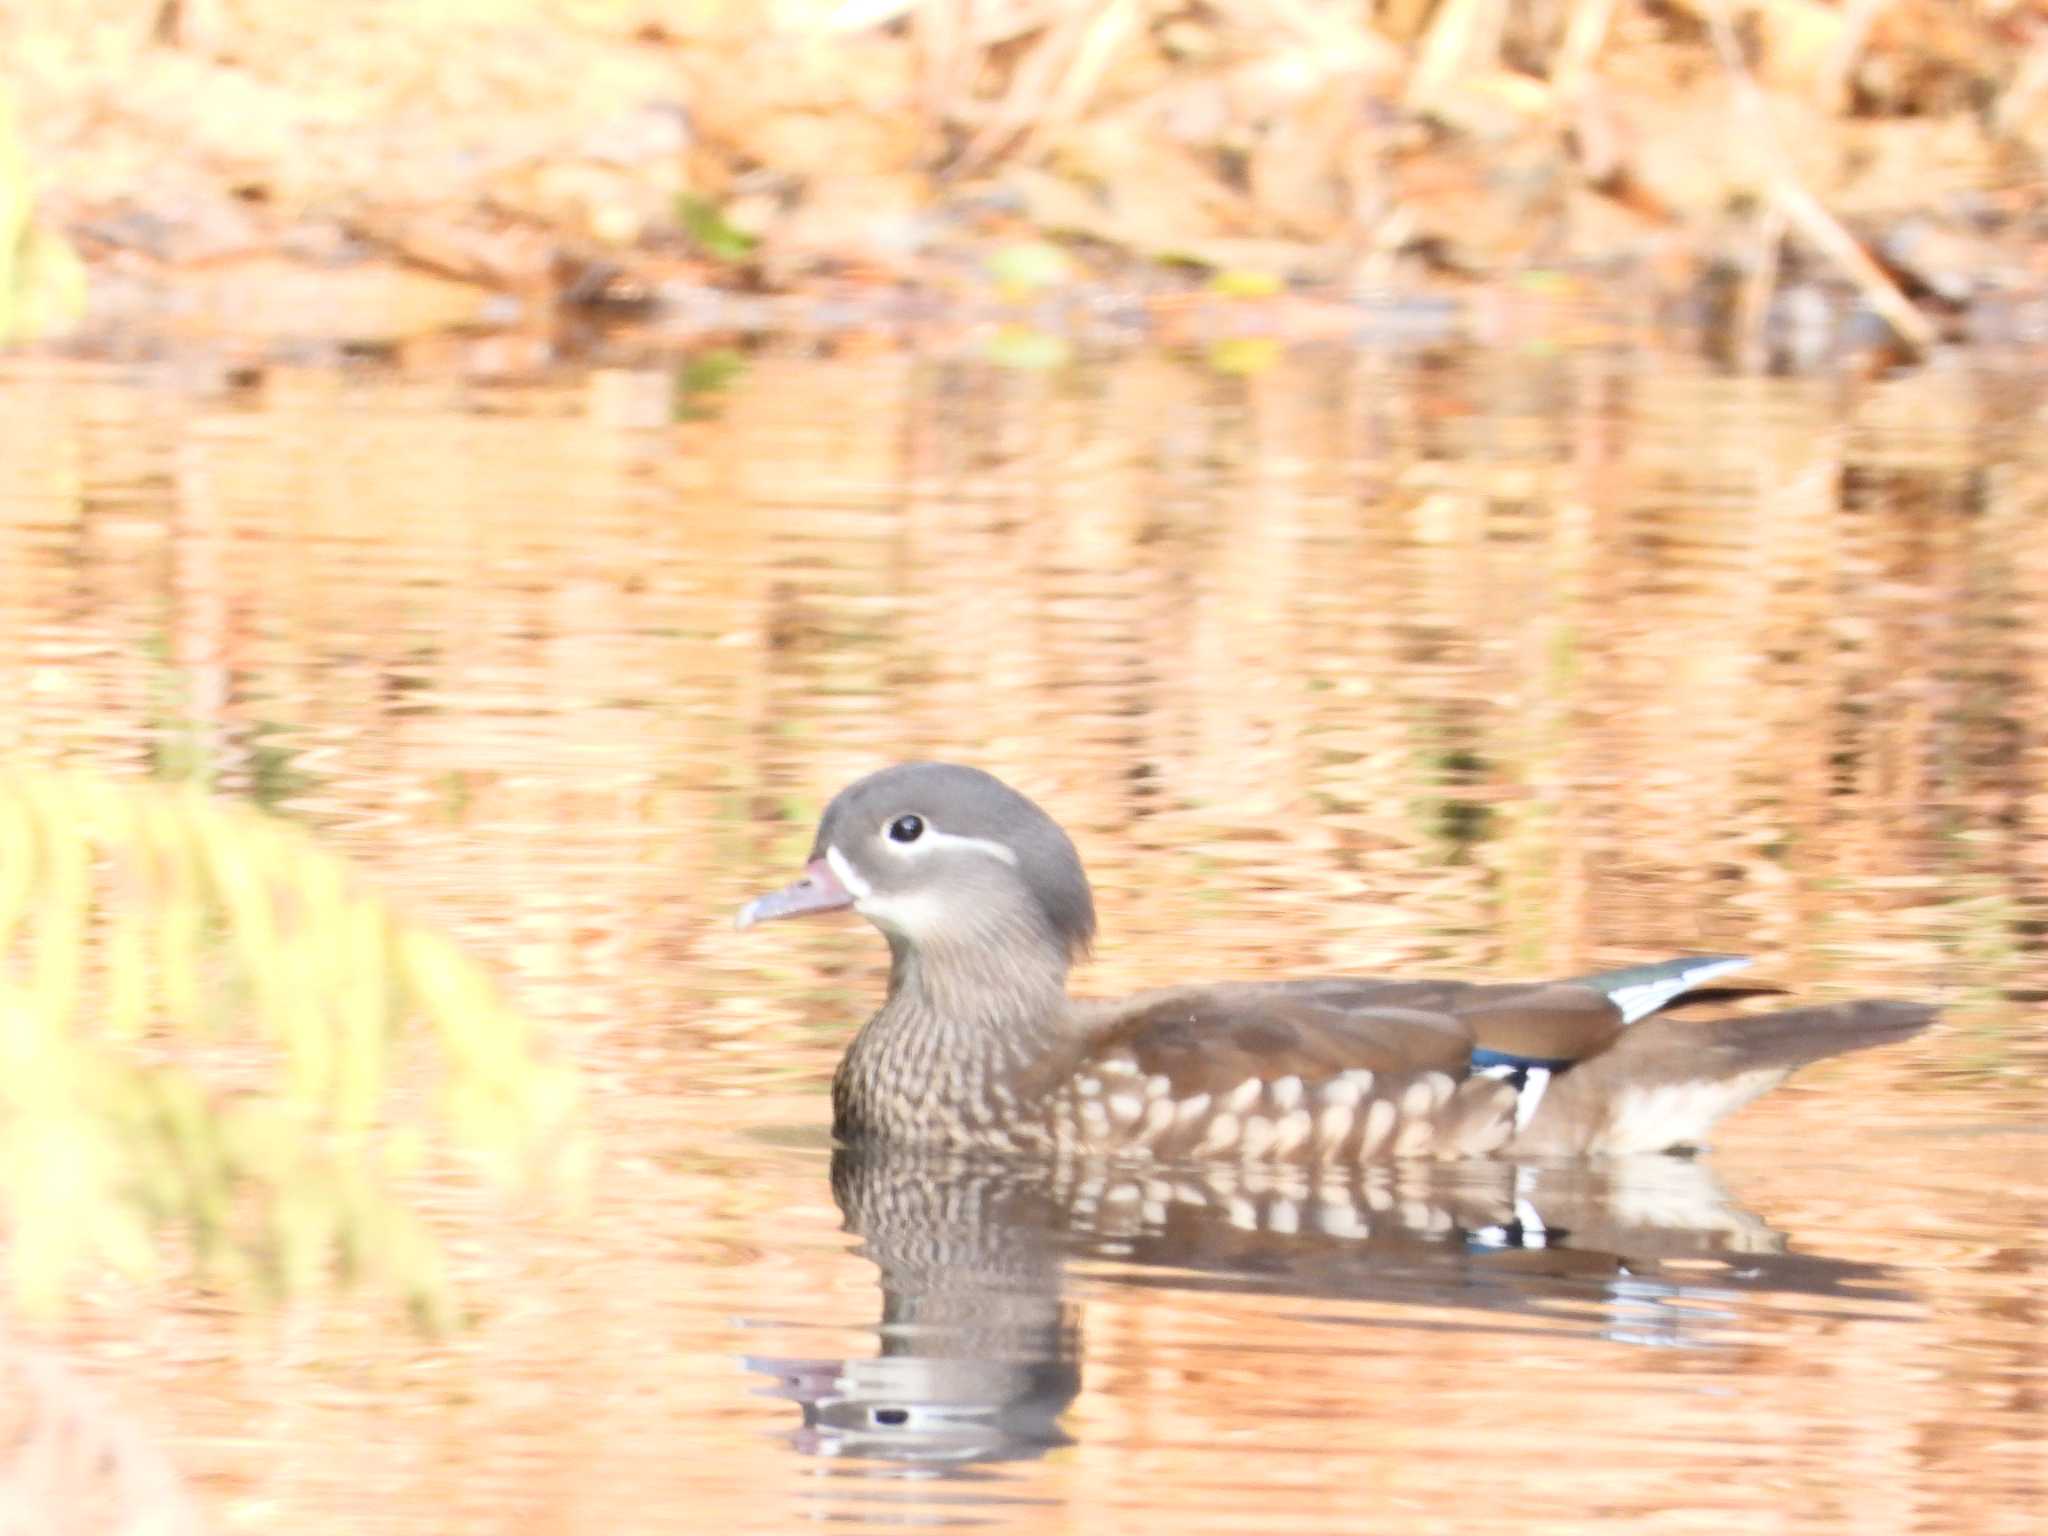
(939, 856)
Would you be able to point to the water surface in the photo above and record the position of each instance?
(1479, 665)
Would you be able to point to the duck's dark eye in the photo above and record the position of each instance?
(906, 829)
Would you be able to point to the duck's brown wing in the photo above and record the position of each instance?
(1558, 1023)
(1211, 1038)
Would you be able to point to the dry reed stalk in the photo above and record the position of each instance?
(1832, 81)
(944, 55)
(1464, 38)
(1031, 84)
(1754, 306)
(1815, 224)
(1098, 44)
(1331, 30)
(1584, 36)
(2029, 84)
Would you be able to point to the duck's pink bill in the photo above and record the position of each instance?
(818, 891)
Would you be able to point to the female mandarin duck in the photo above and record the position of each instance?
(985, 906)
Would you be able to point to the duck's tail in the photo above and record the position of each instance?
(1663, 1084)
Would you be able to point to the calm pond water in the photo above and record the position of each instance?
(1488, 665)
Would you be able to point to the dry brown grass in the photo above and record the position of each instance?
(1336, 146)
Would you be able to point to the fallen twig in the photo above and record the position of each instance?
(1820, 228)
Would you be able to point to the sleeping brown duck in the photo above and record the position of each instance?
(985, 906)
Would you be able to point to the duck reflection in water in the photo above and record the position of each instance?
(980, 1332)
(1385, 1141)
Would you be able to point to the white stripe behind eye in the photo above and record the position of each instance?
(934, 839)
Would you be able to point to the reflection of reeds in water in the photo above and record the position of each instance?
(1494, 664)
(1501, 665)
